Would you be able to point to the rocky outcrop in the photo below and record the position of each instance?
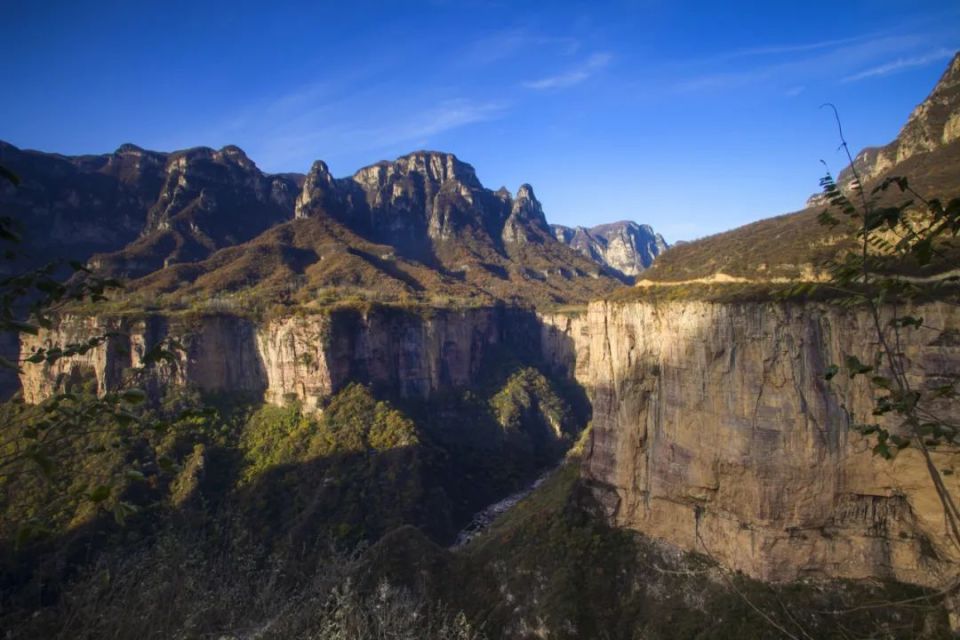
(304, 358)
(322, 193)
(417, 193)
(423, 204)
(934, 123)
(526, 222)
(714, 429)
(625, 247)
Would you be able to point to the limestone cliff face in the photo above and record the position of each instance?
(713, 426)
(714, 429)
(565, 344)
(216, 354)
(305, 358)
(309, 358)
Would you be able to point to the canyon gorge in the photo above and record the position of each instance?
(468, 346)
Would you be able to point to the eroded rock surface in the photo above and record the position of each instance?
(714, 429)
(305, 358)
(713, 426)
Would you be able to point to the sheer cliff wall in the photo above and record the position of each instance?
(715, 430)
(713, 426)
(305, 358)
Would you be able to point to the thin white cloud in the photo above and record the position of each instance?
(573, 76)
(448, 115)
(296, 142)
(778, 49)
(900, 64)
(508, 43)
(818, 61)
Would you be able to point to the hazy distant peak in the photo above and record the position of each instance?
(624, 246)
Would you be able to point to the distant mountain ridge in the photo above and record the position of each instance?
(141, 209)
(420, 225)
(626, 247)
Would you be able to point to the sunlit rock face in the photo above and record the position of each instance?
(625, 247)
(715, 430)
(526, 222)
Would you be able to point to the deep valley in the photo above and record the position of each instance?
(291, 392)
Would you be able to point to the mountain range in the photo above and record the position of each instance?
(203, 221)
(355, 365)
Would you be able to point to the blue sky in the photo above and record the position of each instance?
(693, 117)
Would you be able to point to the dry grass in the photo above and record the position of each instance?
(794, 244)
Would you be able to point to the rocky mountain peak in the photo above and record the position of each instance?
(434, 168)
(319, 190)
(947, 95)
(128, 148)
(936, 120)
(320, 167)
(526, 222)
(525, 192)
(135, 213)
(625, 246)
(73, 206)
(527, 208)
(418, 198)
(237, 155)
